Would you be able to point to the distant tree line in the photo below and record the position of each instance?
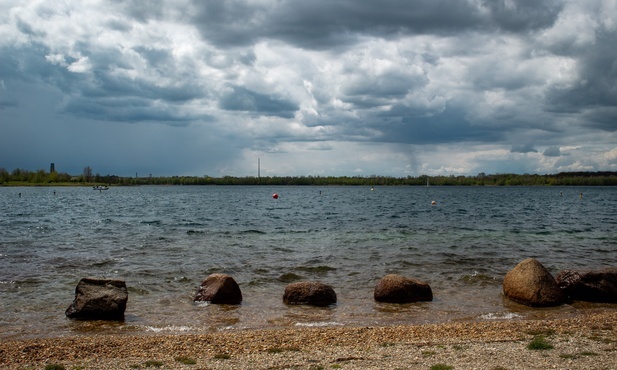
(40, 177)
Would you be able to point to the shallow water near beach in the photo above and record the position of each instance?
(165, 240)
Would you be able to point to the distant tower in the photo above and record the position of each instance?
(259, 168)
(52, 168)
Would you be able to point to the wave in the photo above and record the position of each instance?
(289, 277)
(194, 232)
(316, 269)
(477, 278)
(319, 324)
(500, 316)
(252, 231)
(170, 328)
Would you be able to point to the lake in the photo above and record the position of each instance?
(165, 240)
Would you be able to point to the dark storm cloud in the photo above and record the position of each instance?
(142, 10)
(129, 110)
(243, 99)
(523, 15)
(523, 148)
(552, 152)
(323, 24)
(446, 127)
(103, 95)
(390, 85)
(6, 102)
(595, 93)
(25, 28)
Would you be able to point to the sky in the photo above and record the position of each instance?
(308, 88)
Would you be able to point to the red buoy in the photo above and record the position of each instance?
(275, 196)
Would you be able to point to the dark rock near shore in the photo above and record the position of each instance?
(531, 284)
(219, 289)
(309, 293)
(394, 288)
(99, 299)
(590, 286)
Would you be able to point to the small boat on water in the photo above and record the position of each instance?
(100, 187)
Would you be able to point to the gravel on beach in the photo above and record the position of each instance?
(587, 341)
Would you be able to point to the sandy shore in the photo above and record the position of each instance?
(588, 341)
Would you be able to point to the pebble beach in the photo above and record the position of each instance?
(587, 341)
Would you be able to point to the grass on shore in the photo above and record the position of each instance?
(539, 343)
(185, 360)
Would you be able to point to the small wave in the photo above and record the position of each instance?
(282, 249)
(194, 232)
(318, 324)
(258, 282)
(103, 263)
(289, 277)
(544, 233)
(316, 269)
(171, 328)
(252, 231)
(500, 316)
(192, 224)
(137, 291)
(478, 278)
(406, 263)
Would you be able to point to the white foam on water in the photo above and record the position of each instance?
(500, 316)
(318, 324)
(172, 328)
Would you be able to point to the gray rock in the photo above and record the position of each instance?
(99, 299)
(394, 288)
(309, 293)
(591, 286)
(219, 289)
(531, 284)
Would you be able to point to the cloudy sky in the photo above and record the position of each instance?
(320, 87)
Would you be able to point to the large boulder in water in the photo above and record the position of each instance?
(99, 299)
(394, 288)
(590, 286)
(531, 284)
(219, 289)
(310, 293)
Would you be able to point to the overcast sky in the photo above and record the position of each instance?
(319, 87)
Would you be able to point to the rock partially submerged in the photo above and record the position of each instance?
(531, 284)
(99, 299)
(309, 293)
(219, 289)
(394, 288)
(591, 286)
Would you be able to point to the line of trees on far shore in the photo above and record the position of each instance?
(41, 177)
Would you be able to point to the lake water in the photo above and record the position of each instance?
(165, 240)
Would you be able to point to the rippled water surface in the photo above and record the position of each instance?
(164, 241)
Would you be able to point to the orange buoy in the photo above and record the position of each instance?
(275, 196)
(433, 202)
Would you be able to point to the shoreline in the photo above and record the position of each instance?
(586, 341)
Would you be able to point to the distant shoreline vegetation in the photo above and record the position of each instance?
(20, 177)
